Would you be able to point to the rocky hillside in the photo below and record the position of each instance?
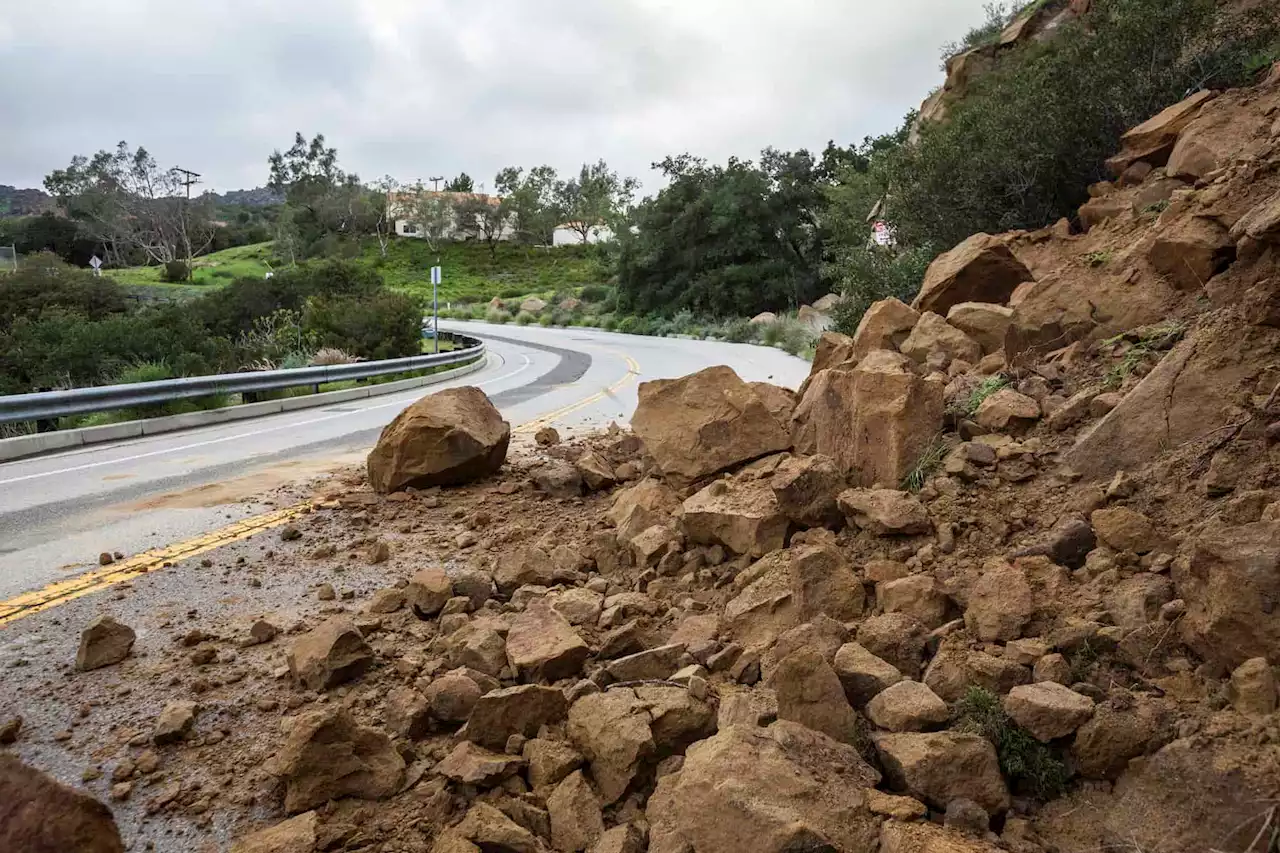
(1003, 575)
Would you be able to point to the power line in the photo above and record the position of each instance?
(191, 178)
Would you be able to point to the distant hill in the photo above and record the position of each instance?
(257, 197)
(23, 202)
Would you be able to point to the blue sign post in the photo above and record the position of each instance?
(435, 305)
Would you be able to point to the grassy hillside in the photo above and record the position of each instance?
(470, 273)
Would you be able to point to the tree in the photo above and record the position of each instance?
(597, 196)
(130, 204)
(431, 213)
(531, 199)
(326, 201)
(460, 184)
(482, 217)
(380, 204)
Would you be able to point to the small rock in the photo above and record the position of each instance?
(261, 632)
(452, 697)
(885, 512)
(295, 835)
(175, 722)
(471, 764)
(326, 592)
(547, 437)
(1048, 710)
(386, 601)
(907, 706)
(9, 730)
(1252, 689)
(105, 559)
(329, 654)
(379, 552)
(576, 819)
(862, 674)
(1124, 529)
(968, 817)
(290, 533)
(103, 642)
(428, 591)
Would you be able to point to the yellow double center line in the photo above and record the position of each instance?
(60, 592)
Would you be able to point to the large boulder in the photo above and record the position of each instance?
(777, 790)
(742, 515)
(39, 815)
(984, 323)
(940, 767)
(781, 402)
(767, 606)
(1153, 140)
(327, 756)
(1000, 603)
(823, 581)
(329, 654)
(647, 504)
(1190, 251)
(809, 693)
(1231, 584)
(574, 811)
(886, 326)
(805, 488)
(874, 421)
(542, 644)
(933, 334)
(703, 423)
(522, 710)
(981, 269)
(445, 439)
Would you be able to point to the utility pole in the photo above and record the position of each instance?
(190, 178)
(435, 183)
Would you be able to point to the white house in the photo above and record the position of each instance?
(402, 207)
(570, 234)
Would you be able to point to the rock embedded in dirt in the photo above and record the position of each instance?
(558, 478)
(1124, 529)
(650, 664)
(981, 269)
(295, 835)
(542, 644)
(907, 706)
(1000, 603)
(919, 596)
(862, 674)
(1121, 729)
(9, 730)
(885, 512)
(885, 326)
(823, 581)
(521, 710)
(471, 764)
(612, 731)
(934, 335)
(549, 761)
(1153, 140)
(407, 712)
(1136, 601)
(485, 828)
(774, 790)
(896, 638)
(479, 645)
(810, 693)
(743, 516)
(1007, 411)
(103, 642)
(942, 766)
(595, 471)
(1067, 544)
(386, 601)
(546, 437)
(175, 722)
(627, 838)
(428, 591)
(805, 489)
(576, 818)
(39, 815)
(1048, 710)
(528, 566)
(452, 697)
(1252, 689)
(955, 668)
(326, 755)
(329, 654)
(896, 837)
(983, 322)
(703, 423)
(447, 438)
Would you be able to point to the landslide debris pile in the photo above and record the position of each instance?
(1003, 575)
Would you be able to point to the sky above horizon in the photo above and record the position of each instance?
(418, 88)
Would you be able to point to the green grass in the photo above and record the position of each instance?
(925, 466)
(979, 395)
(211, 270)
(1032, 768)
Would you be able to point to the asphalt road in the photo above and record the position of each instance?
(58, 512)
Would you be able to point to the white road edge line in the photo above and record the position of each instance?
(294, 425)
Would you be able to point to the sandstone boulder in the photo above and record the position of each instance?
(874, 421)
(1121, 729)
(1007, 411)
(39, 815)
(833, 350)
(650, 664)
(296, 835)
(1000, 603)
(919, 596)
(1153, 140)
(558, 478)
(452, 697)
(981, 269)
(522, 710)
(485, 828)
(781, 402)
(327, 756)
(862, 674)
(1124, 529)
(896, 837)
(1048, 710)
(549, 762)
(907, 706)
(428, 591)
(1136, 601)
(943, 766)
(103, 642)
(777, 790)
(956, 668)
(742, 515)
(766, 606)
(447, 438)
(703, 423)
(1252, 690)
(1190, 251)
(638, 508)
(595, 471)
(895, 638)
(885, 512)
(809, 693)
(479, 645)
(542, 644)
(824, 583)
(329, 654)
(985, 323)
(885, 326)
(175, 722)
(471, 764)
(576, 819)
(805, 489)
(933, 334)
(612, 731)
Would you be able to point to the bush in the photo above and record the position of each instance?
(609, 323)
(43, 283)
(787, 334)
(328, 356)
(868, 275)
(382, 325)
(740, 331)
(1032, 768)
(546, 320)
(175, 271)
(524, 318)
(497, 315)
(595, 293)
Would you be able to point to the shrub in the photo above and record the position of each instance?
(630, 325)
(497, 315)
(382, 325)
(327, 356)
(787, 334)
(1032, 768)
(609, 323)
(524, 318)
(594, 293)
(740, 331)
(867, 275)
(546, 320)
(175, 271)
(44, 282)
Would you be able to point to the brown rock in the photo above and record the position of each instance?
(822, 635)
(1191, 251)
(833, 349)
(558, 478)
(1052, 667)
(1000, 603)
(528, 566)
(627, 838)
(955, 668)
(1048, 710)
(326, 756)
(1007, 411)
(546, 437)
(898, 837)
(743, 516)
(596, 472)
(1068, 543)
(780, 402)
(447, 438)
(809, 693)
(885, 326)
(9, 730)
(1135, 601)
(470, 764)
(386, 601)
(407, 712)
(933, 334)
(638, 508)
(550, 761)
(944, 766)
(103, 642)
(874, 421)
(823, 582)
(981, 269)
(919, 596)
(1154, 139)
(39, 815)
(522, 710)
(452, 697)
(329, 654)
(295, 835)
(1121, 730)
(576, 819)
(612, 731)
(486, 828)
(704, 423)
(175, 722)
(987, 324)
(1253, 688)
(862, 674)
(542, 644)
(480, 646)
(907, 706)
(767, 605)
(649, 664)
(775, 790)
(885, 512)
(896, 638)
(805, 488)
(1124, 529)
(428, 591)
(894, 806)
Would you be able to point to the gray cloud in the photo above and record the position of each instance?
(415, 88)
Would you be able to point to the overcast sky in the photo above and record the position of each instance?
(415, 88)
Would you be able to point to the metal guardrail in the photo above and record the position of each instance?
(46, 405)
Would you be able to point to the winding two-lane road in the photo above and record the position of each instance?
(58, 512)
